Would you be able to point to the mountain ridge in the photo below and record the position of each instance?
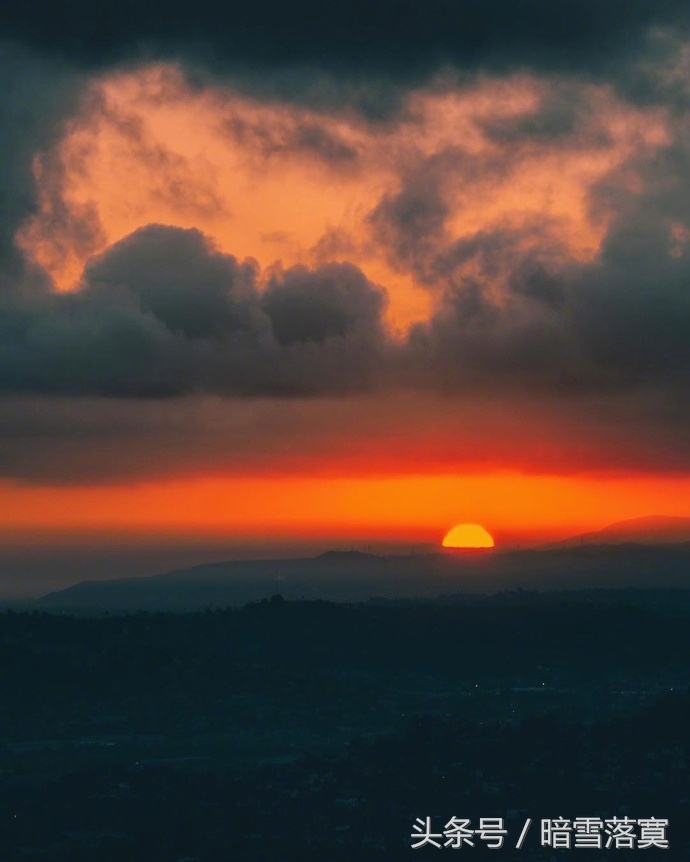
(645, 530)
(361, 577)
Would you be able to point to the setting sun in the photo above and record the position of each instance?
(468, 536)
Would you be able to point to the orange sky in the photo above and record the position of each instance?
(147, 148)
(397, 508)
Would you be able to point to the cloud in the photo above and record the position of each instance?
(270, 138)
(542, 277)
(609, 325)
(36, 94)
(352, 38)
(545, 218)
(163, 313)
(334, 301)
(92, 440)
(178, 279)
(169, 358)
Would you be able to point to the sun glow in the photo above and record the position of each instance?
(468, 536)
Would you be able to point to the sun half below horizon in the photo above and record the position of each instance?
(468, 536)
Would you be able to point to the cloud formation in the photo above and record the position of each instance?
(385, 36)
(162, 313)
(460, 204)
(36, 94)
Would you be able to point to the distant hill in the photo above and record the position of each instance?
(652, 530)
(360, 577)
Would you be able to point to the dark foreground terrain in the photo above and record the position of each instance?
(312, 730)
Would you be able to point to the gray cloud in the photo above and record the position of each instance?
(36, 95)
(162, 313)
(558, 115)
(594, 353)
(618, 322)
(73, 441)
(334, 301)
(162, 320)
(175, 276)
(384, 38)
(308, 138)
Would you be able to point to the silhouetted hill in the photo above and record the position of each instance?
(346, 555)
(651, 530)
(354, 576)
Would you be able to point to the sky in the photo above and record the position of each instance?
(342, 272)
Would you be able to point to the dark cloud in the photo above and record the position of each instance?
(557, 116)
(614, 324)
(587, 364)
(162, 313)
(532, 280)
(85, 440)
(517, 311)
(519, 343)
(308, 138)
(36, 94)
(333, 301)
(410, 223)
(176, 277)
(413, 224)
(406, 37)
(92, 382)
(417, 222)
(632, 310)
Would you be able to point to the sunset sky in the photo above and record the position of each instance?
(350, 272)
